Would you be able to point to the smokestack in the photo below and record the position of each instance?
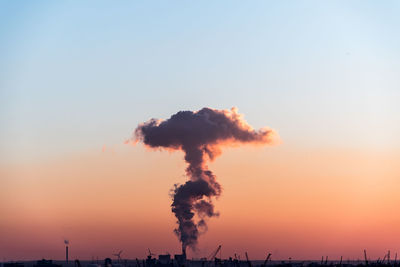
(184, 252)
(66, 242)
(66, 254)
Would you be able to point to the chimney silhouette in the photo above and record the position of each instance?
(66, 254)
(184, 252)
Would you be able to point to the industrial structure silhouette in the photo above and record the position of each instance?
(213, 260)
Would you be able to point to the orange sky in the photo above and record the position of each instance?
(325, 76)
(292, 202)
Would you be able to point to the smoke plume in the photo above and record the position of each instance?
(200, 135)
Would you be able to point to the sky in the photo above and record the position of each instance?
(76, 78)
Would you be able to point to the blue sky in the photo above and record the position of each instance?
(77, 75)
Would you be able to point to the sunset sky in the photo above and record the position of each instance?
(76, 78)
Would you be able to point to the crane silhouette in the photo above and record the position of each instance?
(151, 253)
(214, 254)
(118, 255)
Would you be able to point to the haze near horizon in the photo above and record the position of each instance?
(77, 78)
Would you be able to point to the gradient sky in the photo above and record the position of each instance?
(76, 78)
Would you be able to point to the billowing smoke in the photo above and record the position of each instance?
(199, 135)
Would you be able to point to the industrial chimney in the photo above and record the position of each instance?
(66, 254)
(66, 242)
(184, 252)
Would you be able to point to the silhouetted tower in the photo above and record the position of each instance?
(184, 252)
(66, 254)
(66, 242)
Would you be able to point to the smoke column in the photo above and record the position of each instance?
(200, 135)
